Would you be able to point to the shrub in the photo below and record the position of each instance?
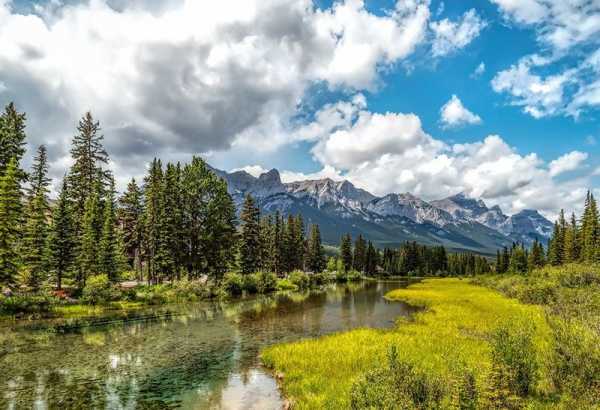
(250, 283)
(98, 289)
(233, 283)
(21, 304)
(266, 282)
(286, 284)
(319, 279)
(400, 384)
(300, 279)
(515, 358)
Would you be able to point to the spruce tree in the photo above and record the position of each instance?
(131, 217)
(153, 219)
(299, 243)
(250, 236)
(371, 260)
(346, 251)
(316, 254)
(590, 230)
(35, 240)
(360, 254)
(108, 252)
(536, 256)
(62, 237)
(87, 255)
(571, 247)
(12, 139)
(10, 221)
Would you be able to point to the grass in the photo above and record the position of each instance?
(457, 334)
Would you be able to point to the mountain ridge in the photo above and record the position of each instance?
(459, 222)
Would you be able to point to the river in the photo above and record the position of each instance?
(195, 356)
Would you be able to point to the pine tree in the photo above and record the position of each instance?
(571, 247)
(87, 256)
(88, 156)
(590, 230)
(172, 243)
(12, 139)
(518, 259)
(360, 254)
(131, 217)
(266, 245)
(346, 251)
(36, 252)
(62, 236)
(536, 256)
(250, 236)
(10, 221)
(371, 260)
(153, 219)
(299, 243)
(315, 260)
(108, 252)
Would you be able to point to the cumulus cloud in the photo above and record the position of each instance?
(183, 77)
(391, 152)
(567, 31)
(449, 36)
(479, 70)
(567, 162)
(454, 114)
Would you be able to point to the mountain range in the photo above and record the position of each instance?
(459, 222)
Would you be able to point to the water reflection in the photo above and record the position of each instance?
(194, 356)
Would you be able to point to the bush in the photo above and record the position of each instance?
(300, 279)
(515, 359)
(250, 283)
(349, 276)
(319, 279)
(98, 289)
(20, 304)
(266, 282)
(286, 284)
(233, 283)
(399, 385)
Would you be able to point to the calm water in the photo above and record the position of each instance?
(200, 356)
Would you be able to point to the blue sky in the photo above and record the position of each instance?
(345, 89)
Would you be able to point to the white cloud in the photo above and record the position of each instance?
(596, 172)
(454, 114)
(326, 172)
(591, 140)
(567, 162)
(449, 36)
(254, 170)
(538, 96)
(479, 70)
(190, 77)
(390, 152)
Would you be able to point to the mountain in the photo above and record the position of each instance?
(459, 222)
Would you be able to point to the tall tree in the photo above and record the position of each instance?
(12, 139)
(10, 221)
(536, 256)
(153, 219)
(172, 222)
(346, 251)
(315, 260)
(108, 253)
(62, 237)
(371, 260)
(360, 254)
(250, 236)
(571, 246)
(35, 240)
(131, 217)
(87, 255)
(590, 230)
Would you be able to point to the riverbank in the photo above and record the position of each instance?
(101, 297)
(471, 348)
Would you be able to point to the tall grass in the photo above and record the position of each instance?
(462, 345)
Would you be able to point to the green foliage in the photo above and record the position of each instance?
(250, 236)
(98, 289)
(233, 283)
(10, 222)
(131, 216)
(266, 282)
(399, 385)
(12, 139)
(26, 304)
(349, 276)
(346, 251)
(315, 259)
(300, 279)
(286, 284)
(62, 237)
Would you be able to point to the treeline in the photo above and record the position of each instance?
(575, 241)
(181, 222)
(410, 259)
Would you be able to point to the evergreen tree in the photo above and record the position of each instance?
(518, 259)
(360, 254)
(556, 246)
(299, 243)
(108, 253)
(87, 255)
(250, 237)
(315, 260)
(571, 246)
(35, 239)
(172, 222)
(131, 217)
(153, 219)
(346, 251)
(62, 237)
(266, 243)
(590, 230)
(12, 139)
(371, 260)
(10, 221)
(536, 256)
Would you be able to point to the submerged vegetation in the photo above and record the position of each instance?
(471, 347)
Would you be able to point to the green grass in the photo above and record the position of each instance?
(81, 310)
(451, 337)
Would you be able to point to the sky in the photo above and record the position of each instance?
(499, 99)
